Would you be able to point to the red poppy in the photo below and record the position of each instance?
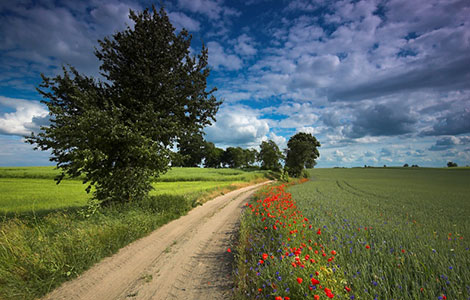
(319, 231)
(367, 247)
(299, 280)
(229, 250)
(347, 289)
(265, 256)
(333, 252)
(315, 281)
(316, 297)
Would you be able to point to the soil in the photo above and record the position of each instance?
(184, 259)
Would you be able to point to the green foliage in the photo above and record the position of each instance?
(233, 157)
(301, 152)
(212, 155)
(270, 155)
(452, 164)
(118, 133)
(191, 149)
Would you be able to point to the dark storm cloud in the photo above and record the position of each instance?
(449, 142)
(381, 120)
(331, 119)
(425, 75)
(452, 124)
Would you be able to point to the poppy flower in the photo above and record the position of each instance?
(316, 297)
(265, 256)
(299, 280)
(229, 250)
(315, 281)
(319, 231)
(367, 247)
(347, 289)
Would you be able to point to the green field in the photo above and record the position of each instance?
(398, 233)
(48, 233)
(32, 189)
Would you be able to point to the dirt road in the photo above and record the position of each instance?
(184, 259)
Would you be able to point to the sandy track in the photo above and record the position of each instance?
(184, 259)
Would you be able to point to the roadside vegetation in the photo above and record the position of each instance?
(51, 233)
(400, 233)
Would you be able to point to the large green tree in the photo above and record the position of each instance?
(302, 151)
(118, 133)
(270, 155)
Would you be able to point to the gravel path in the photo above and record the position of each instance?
(184, 259)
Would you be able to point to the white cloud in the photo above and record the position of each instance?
(181, 20)
(24, 119)
(244, 45)
(15, 152)
(237, 126)
(308, 129)
(212, 9)
(218, 57)
(280, 141)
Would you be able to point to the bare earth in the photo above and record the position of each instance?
(184, 259)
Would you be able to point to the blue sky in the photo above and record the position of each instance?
(377, 82)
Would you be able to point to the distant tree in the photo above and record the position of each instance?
(414, 166)
(233, 157)
(270, 155)
(191, 149)
(212, 155)
(118, 133)
(385, 166)
(452, 164)
(302, 148)
(249, 157)
(405, 166)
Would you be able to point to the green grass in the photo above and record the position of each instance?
(32, 189)
(175, 174)
(49, 235)
(415, 221)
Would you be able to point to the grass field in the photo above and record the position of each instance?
(397, 234)
(49, 235)
(28, 189)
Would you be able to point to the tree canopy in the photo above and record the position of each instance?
(270, 155)
(118, 133)
(302, 151)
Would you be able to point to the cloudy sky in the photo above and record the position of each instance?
(377, 82)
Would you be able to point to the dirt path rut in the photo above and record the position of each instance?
(184, 259)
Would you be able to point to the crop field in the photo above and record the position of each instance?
(49, 234)
(32, 189)
(378, 233)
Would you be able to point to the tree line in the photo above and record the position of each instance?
(194, 151)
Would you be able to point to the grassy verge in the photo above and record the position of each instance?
(281, 254)
(43, 248)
